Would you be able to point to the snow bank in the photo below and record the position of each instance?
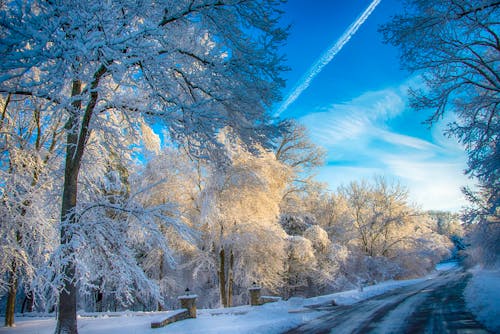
(123, 323)
(353, 296)
(443, 266)
(482, 296)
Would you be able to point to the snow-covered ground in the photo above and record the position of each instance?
(269, 318)
(482, 296)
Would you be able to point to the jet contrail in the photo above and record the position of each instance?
(305, 81)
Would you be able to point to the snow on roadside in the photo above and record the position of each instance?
(353, 296)
(443, 266)
(482, 296)
(269, 318)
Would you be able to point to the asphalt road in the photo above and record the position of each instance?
(433, 306)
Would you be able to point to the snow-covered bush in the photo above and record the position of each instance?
(301, 264)
(485, 244)
(318, 237)
(295, 224)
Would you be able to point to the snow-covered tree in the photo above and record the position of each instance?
(196, 65)
(301, 266)
(240, 209)
(333, 214)
(314, 261)
(116, 225)
(454, 47)
(295, 149)
(325, 255)
(389, 232)
(377, 212)
(447, 223)
(29, 143)
(485, 234)
(172, 178)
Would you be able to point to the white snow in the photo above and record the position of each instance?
(353, 296)
(443, 266)
(270, 318)
(188, 297)
(482, 296)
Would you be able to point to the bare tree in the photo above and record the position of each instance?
(455, 47)
(295, 149)
(378, 210)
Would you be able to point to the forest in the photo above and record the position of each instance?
(139, 157)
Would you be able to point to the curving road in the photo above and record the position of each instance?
(433, 306)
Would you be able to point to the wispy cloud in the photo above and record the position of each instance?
(326, 58)
(359, 118)
(362, 141)
(403, 140)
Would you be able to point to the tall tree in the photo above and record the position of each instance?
(29, 143)
(378, 210)
(172, 180)
(115, 226)
(196, 65)
(240, 220)
(455, 47)
(295, 149)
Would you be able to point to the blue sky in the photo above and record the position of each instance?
(356, 107)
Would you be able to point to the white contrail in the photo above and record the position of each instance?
(305, 81)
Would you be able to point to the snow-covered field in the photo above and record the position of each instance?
(483, 297)
(269, 318)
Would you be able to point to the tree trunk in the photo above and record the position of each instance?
(230, 280)
(98, 300)
(160, 277)
(222, 277)
(28, 302)
(12, 293)
(11, 299)
(78, 129)
(66, 320)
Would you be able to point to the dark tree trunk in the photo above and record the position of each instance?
(230, 280)
(11, 299)
(226, 278)
(12, 293)
(66, 320)
(98, 300)
(222, 277)
(78, 131)
(28, 302)
(160, 277)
